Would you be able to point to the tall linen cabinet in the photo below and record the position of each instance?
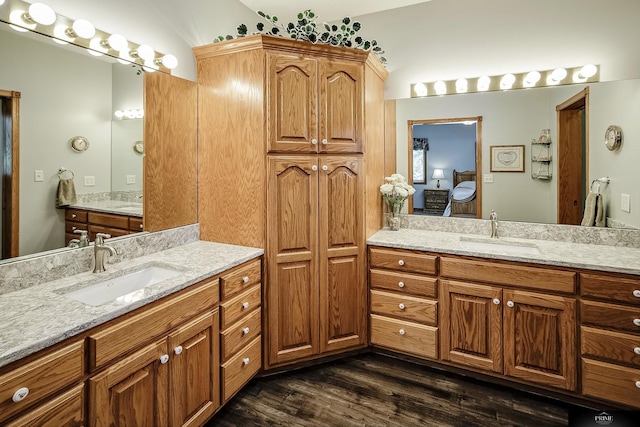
(290, 158)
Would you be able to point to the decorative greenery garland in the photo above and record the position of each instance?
(306, 29)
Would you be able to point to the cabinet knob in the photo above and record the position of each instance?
(245, 361)
(73, 228)
(401, 305)
(20, 394)
(401, 284)
(178, 349)
(496, 301)
(74, 216)
(510, 304)
(638, 384)
(140, 226)
(245, 304)
(245, 279)
(245, 331)
(636, 322)
(164, 358)
(314, 141)
(636, 293)
(637, 350)
(314, 168)
(401, 262)
(401, 331)
(325, 167)
(324, 141)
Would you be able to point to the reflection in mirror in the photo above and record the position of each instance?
(515, 118)
(66, 93)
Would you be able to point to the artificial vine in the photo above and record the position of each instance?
(306, 28)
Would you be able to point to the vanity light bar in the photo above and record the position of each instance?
(556, 77)
(40, 18)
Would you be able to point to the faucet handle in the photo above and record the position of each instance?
(100, 238)
(103, 235)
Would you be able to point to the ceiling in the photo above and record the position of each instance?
(327, 10)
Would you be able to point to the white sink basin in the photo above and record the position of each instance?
(126, 288)
(497, 246)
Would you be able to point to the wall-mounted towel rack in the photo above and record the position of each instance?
(603, 180)
(62, 170)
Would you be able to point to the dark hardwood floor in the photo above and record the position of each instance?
(377, 390)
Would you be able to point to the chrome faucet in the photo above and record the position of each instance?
(494, 224)
(83, 241)
(99, 250)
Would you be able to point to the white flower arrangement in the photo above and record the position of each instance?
(395, 191)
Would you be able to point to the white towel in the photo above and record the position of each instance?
(593, 211)
(66, 194)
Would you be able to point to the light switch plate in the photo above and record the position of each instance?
(131, 179)
(487, 177)
(625, 202)
(38, 176)
(89, 181)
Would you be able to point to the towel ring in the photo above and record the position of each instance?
(62, 170)
(604, 180)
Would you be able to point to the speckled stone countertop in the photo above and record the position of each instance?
(562, 254)
(40, 316)
(119, 207)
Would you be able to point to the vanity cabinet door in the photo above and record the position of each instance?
(471, 324)
(132, 392)
(195, 380)
(540, 338)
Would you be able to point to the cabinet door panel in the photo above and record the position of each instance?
(292, 99)
(340, 110)
(540, 336)
(342, 285)
(195, 381)
(292, 293)
(471, 324)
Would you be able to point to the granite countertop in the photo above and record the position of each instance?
(561, 254)
(40, 316)
(119, 207)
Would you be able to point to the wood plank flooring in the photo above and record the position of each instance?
(375, 390)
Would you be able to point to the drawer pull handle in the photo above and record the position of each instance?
(245, 331)
(324, 141)
(401, 262)
(245, 361)
(325, 167)
(140, 226)
(74, 216)
(401, 284)
(510, 304)
(638, 384)
(20, 394)
(245, 305)
(401, 305)
(636, 322)
(314, 141)
(314, 168)
(636, 293)
(401, 331)
(164, 358)
(637, 350)
(245, 279)
(73, 228)
(496, 301)
(178, 349)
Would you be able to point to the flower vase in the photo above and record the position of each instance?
(393, 217)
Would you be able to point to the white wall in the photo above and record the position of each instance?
(50, 115)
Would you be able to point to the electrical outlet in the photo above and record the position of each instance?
(625, 202)
(89, 181)
(487, 177)
(38, 176)
(131, 179)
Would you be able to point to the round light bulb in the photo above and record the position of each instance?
(420, 89)
(558, 74)
(117, 42)
(42, 14)
(507, 81)
(587, 71)
(1, 2)
(83, 28)
(119, 114)
(440, 87)
(483, 83)
(145, 52)
(170, 61)
(19, 24)
(531, 79)
(60, 34)
(462, 85)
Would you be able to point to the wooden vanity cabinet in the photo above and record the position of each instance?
(403, 304)
(500, 325)
(610, 337)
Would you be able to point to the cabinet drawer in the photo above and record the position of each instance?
(233, 309)
(610, 288)
(613, 346)
(507, 274)
(611, 382)
(405, 307)
(240, 279)
(402, 260)
(135, 224)
(70, 227)
(124, 336)
(75, 215)
(404, 282)
(612, 316)
(64, 410)
(109, 220)
(113, 232)
(240, 368)
(404, 337)
(240, 334)
(42, 376)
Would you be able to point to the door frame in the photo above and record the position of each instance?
(478, 120)
(10, 147)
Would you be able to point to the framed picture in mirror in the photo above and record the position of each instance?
(507, 158)
(419, 167)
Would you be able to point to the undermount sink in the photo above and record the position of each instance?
(480, 244)
(129, 287)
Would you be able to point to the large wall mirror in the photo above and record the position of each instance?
(514, 118)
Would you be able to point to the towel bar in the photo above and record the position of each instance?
(63, 170)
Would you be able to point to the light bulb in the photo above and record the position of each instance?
(1, 2)
(420, 89)
(119, 114)
(41, 13)
(82, 28)
(60, 33)
(96, 46)
(507, 81)
(483, 83)
(587, 71)
(145, 52)
(531, 79)
(169, 61)
(440, 87)
(116, 42)
(557, 75)
(462, 85)
(19, 24)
